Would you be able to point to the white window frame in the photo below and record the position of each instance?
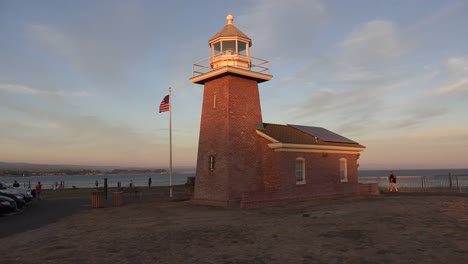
(303, 181)
(343, 170)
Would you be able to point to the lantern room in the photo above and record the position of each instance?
(230, 47)
(230, 54)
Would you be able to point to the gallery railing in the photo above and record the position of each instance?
(228, 59)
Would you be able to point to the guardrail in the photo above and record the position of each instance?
(435, 183)
(205, 65)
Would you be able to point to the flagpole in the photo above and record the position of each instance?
(170, 142)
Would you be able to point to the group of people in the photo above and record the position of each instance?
(59, 186)
(38, 189)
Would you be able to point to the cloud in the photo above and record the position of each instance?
(104, 48)
(345, 110)
(415, 117)
(22, 89)
(457, 65)
(375, 40)
(64, 138)
(459, 86)
(264, 22)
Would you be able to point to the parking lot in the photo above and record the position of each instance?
(40, 213)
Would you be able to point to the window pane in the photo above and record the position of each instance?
(217, 48)
(229, 46)
(343, 173)
(241, 47)
(299, 171)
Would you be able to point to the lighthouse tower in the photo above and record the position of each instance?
(228, 162)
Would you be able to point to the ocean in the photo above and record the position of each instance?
(88, 181)
(414, 172)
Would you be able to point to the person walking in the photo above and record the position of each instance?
(38, 191)
(392, 181)
(149, 182)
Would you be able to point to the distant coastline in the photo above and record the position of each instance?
(32, 169)
(27, 173)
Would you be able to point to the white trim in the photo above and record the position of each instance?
(277, 146)
(266, 136)
(219, 39)
(225, 69)
(316, 151)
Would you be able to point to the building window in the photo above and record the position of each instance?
(212, 162)
(300, 171)
(343, 170)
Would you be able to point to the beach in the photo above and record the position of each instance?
(390, 228)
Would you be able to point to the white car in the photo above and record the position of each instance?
(14, 190)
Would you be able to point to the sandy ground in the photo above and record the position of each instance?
(391, 228)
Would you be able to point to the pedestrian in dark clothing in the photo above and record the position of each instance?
(149, 182)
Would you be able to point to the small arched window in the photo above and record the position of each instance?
(343, 170)
(300, 171)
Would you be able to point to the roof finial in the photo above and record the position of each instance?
(229, 19)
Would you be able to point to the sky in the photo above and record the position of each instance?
(81, 81)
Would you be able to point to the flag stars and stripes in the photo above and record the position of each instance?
(164, 105)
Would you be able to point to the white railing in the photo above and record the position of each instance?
(435, 183)
(206, 65)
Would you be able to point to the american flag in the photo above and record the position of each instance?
(164, 105)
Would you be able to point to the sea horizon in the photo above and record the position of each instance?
(412, 172)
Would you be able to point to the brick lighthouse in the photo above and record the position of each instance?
(228, 163)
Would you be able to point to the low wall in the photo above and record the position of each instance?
(223, 203)
(276, 197)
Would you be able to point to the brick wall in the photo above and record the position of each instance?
(322, 174)
(227, 131)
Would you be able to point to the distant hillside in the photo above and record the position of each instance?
(54, 167)
(50, 167)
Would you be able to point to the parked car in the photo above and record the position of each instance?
(7, 205)
(18, 198)
(13, 190)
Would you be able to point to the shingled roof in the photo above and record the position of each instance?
(229, 30)
(304, 135)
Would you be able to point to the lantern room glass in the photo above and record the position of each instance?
(229, 47)
(217, 48)
(241, 48)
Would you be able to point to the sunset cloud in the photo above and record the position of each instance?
(22, 89)
(375, 39)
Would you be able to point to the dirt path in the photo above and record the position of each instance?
(384, 229)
